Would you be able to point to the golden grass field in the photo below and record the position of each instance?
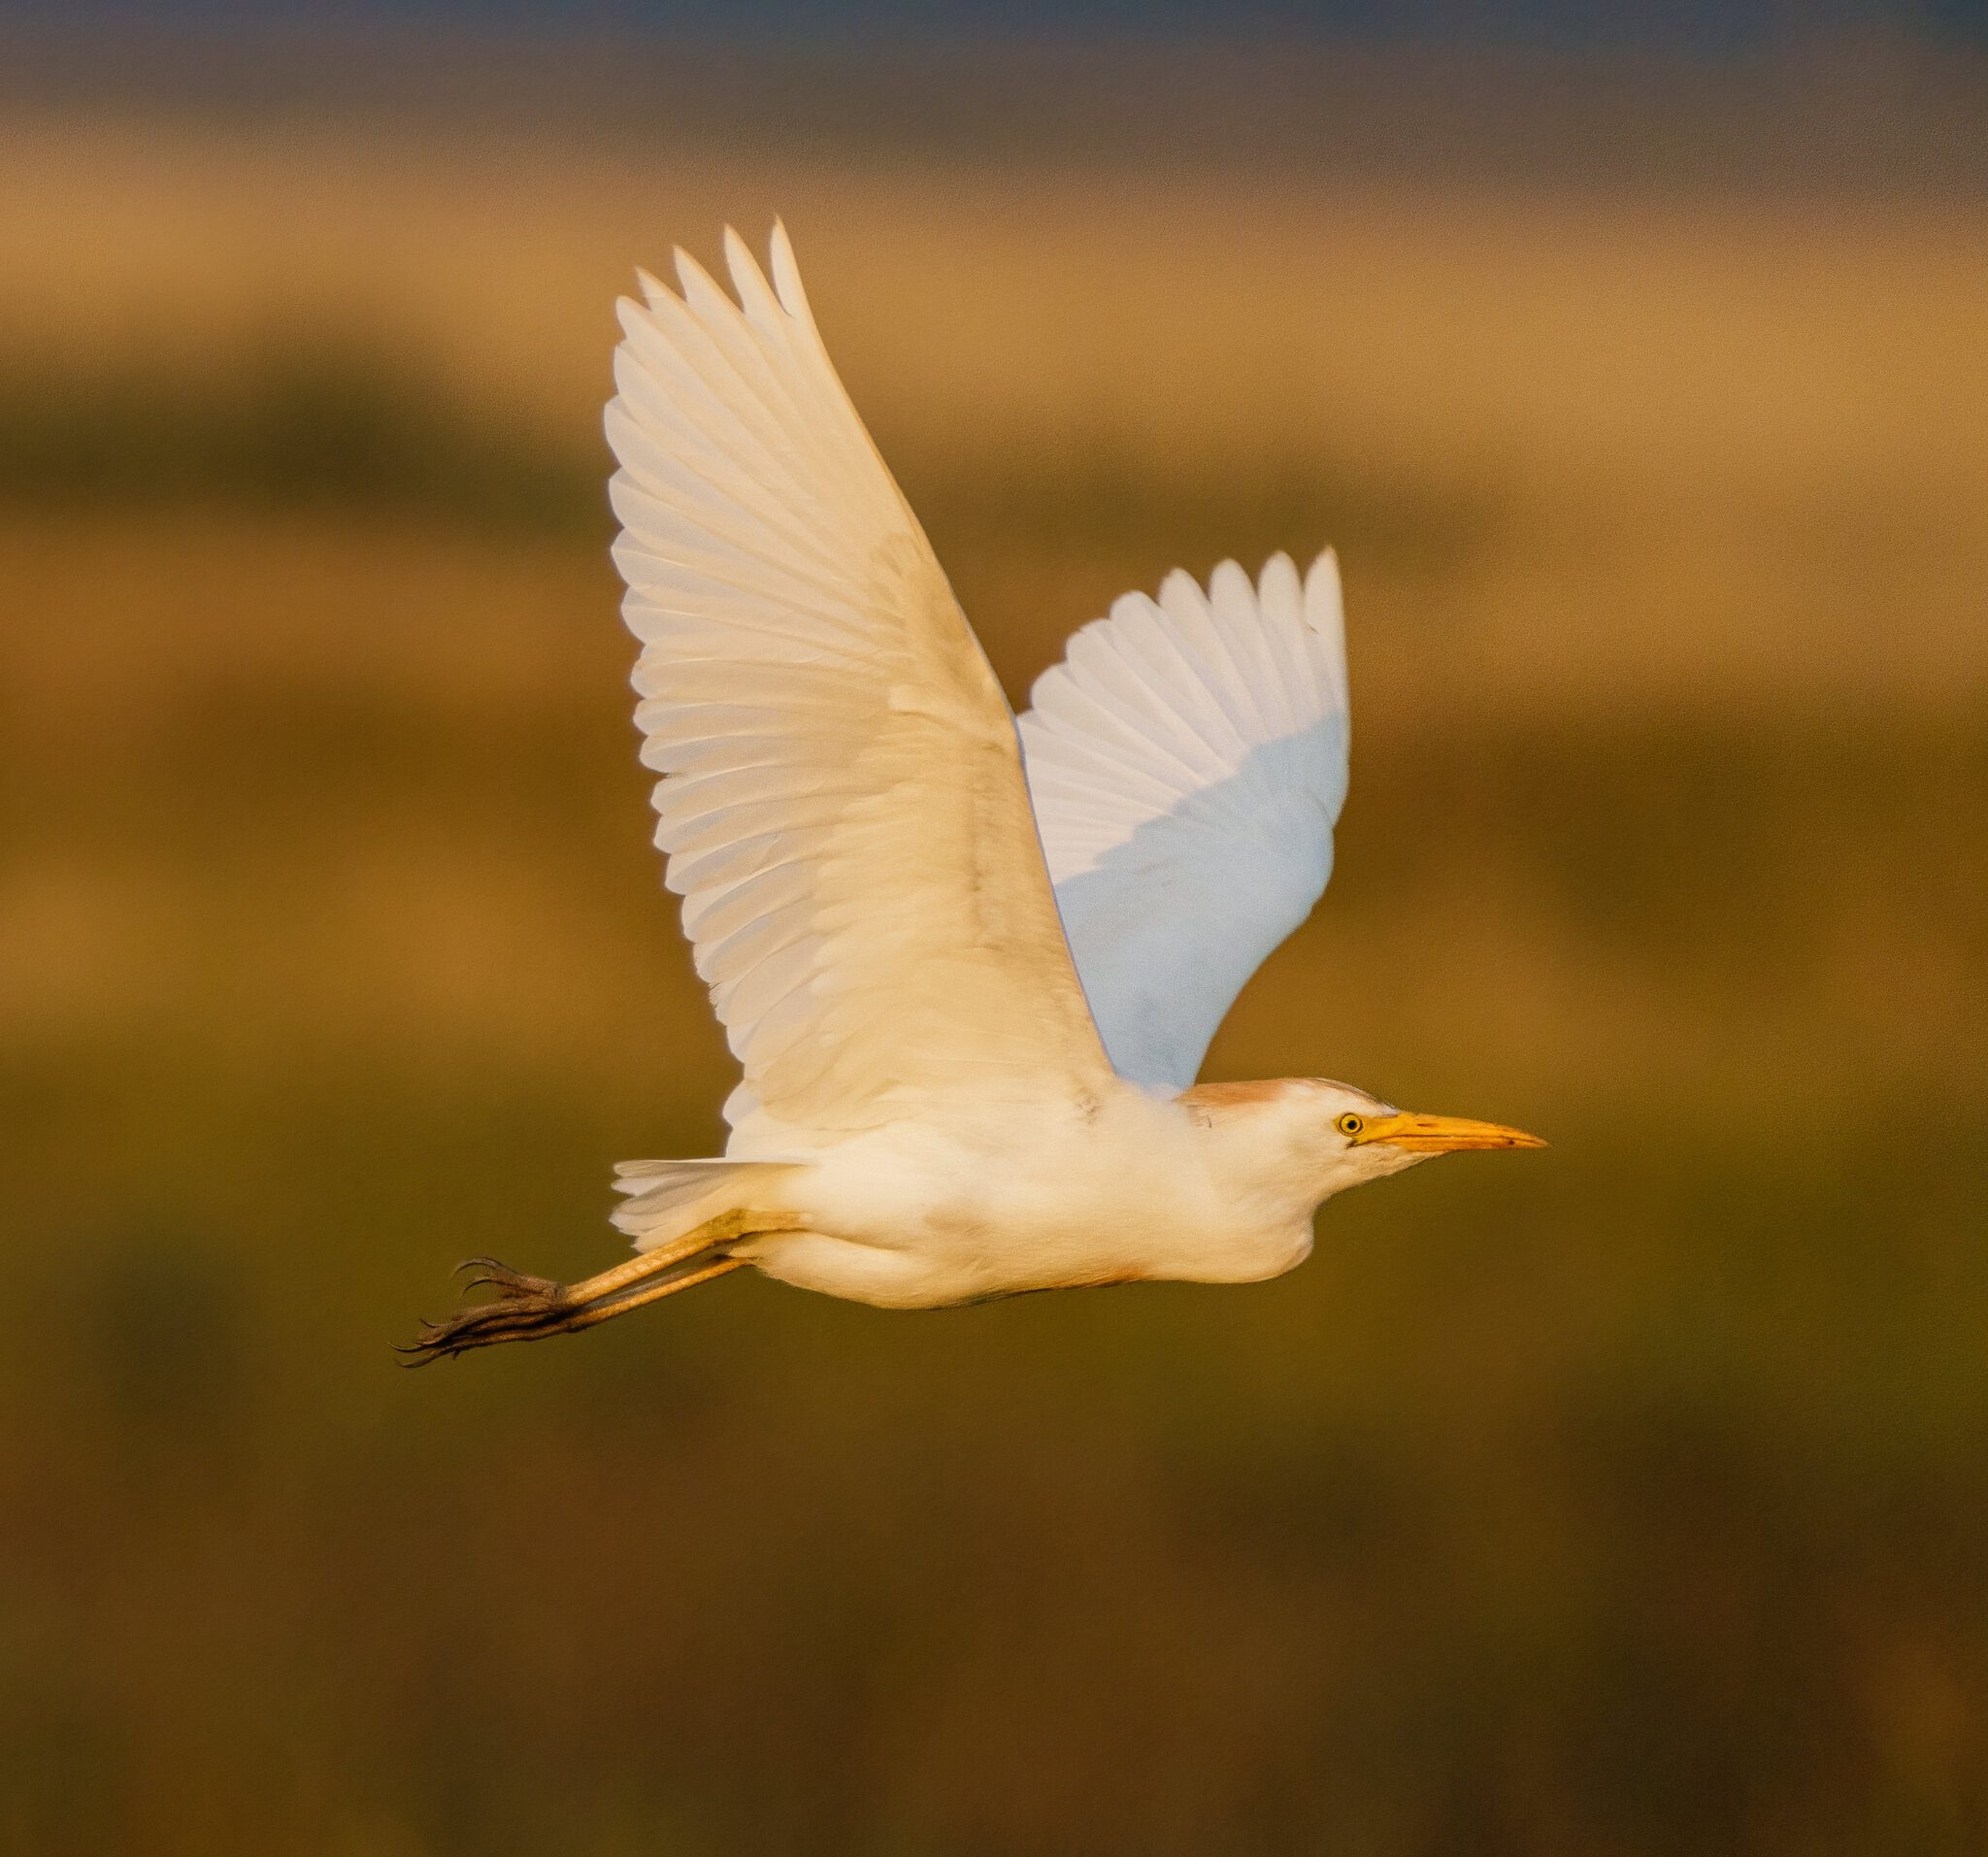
(1626, 1499)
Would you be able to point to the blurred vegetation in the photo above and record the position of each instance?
(290, 422)
(1627, 1499)
(331, 425)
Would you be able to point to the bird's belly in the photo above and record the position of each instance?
(924, 1225)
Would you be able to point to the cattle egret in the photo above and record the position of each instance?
(970, 965)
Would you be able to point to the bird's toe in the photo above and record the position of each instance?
(520, 1306)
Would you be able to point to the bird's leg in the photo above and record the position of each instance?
(526, 1309)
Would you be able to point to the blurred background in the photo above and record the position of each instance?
(1627, 1499)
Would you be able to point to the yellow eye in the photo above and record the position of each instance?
(1349, 1125)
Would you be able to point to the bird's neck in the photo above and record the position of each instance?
(1265, 1144)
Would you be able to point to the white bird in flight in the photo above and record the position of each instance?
(970, 965)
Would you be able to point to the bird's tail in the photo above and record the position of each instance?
(666, 1199)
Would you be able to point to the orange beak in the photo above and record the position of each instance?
(1441, 1134)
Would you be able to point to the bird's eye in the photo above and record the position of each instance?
(1349, 1125)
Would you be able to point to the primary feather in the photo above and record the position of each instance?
(843, 803)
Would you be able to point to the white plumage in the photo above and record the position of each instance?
(842, 807)
(1187, 760)
(968, 1002)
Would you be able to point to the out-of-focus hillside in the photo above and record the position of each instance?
(1623, 1498)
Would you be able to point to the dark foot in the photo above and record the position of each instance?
(526, 1309)
(522, 1309)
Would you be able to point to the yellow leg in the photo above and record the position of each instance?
(526, 1309)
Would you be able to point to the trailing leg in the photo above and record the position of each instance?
(527, 1309)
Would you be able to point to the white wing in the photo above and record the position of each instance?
(1187, 761)
(843, 805)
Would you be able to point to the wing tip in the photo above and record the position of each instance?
(1178, 583)
(689, 273)
(783, 281)
(786, 273)
(1280, 585)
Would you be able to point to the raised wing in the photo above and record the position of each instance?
(843, 803)
(1187, 761)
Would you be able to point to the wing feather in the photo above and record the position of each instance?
(1188, 761)
(843, 805)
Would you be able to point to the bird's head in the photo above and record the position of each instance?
(1365, 1139)
(1323, 1137)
